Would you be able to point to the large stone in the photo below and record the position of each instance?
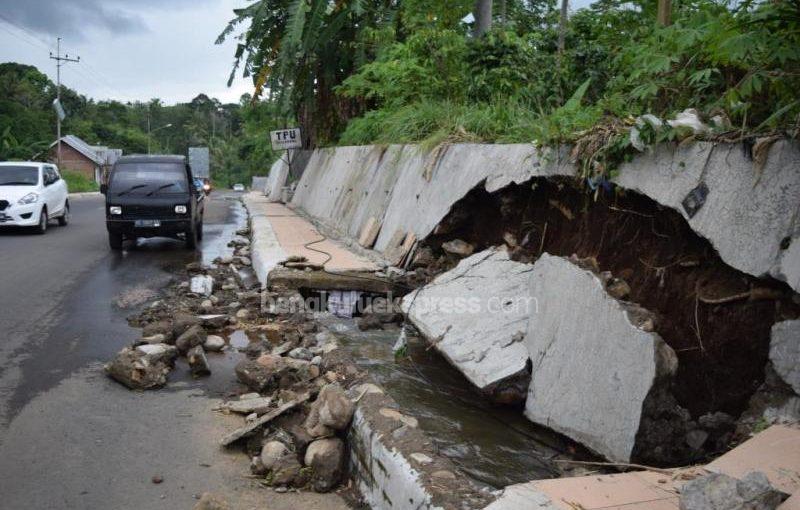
(476, 315)
(784, 352)
(593, 366)
(254, 375)
(334, 407)
(271, 454)
(458, 248)
(721, 492)
(214, 343)
(202, 285)
(190, 338)
(325, 457)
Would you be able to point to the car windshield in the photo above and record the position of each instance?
(148, 178)
(19, 176)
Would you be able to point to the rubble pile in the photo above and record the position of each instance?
(292, 400)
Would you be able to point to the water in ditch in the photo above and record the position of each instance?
(494, 446)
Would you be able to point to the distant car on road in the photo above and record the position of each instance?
(238, 187)
(153, 196)
(32, 193)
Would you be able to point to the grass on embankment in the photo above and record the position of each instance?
(78, 183)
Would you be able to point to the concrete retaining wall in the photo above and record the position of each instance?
(752, 219)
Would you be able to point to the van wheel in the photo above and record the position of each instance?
(191, 238)
(41, 228)
(63, 220)
(115, 240)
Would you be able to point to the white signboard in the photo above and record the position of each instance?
(286, 139)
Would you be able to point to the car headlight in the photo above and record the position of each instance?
(115, 209)
(180, 209)
(30, 198)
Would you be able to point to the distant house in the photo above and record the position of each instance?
(93, 161)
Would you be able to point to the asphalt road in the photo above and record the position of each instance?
(69, 436)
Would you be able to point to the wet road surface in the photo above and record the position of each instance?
(69, 436)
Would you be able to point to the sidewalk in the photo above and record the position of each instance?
(279, 233)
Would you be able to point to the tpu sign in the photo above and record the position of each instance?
(286, 139)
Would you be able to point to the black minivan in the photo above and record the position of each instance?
(153, 196)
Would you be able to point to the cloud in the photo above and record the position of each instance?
(75, 18)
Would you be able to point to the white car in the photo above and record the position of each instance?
(32, 193)
(238, 187)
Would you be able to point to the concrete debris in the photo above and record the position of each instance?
(143, 368)
(209, 501)
(369, 233)
(198, 363)
(593, 368)
(202, 285)
(258, 404)
(472, 314)
(690, 119)
(722, 492)
(254, 375)
(325, 457)
(213, 321)
(214, 343)
(262, 420)
(458, 248)
(784, 352)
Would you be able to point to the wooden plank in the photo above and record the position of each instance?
(261, 421)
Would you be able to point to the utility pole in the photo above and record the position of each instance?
(60, 61)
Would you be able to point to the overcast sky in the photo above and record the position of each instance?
(129, 49)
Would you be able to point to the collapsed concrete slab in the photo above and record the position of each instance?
(594, 365)
(749, 213)
(784, 352)
(476, 315)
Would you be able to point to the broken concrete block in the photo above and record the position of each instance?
(202, 285)
(722, 492)
(593, 366)
(369, 233)
(784, 352)
(198, 363)
(142, 368)
(395, 250)
(476, 315)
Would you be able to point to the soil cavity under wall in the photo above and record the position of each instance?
(722, 346)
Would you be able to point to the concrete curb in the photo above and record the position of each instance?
(85, 194)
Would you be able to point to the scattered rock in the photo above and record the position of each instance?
(209, 501)
(258, 404)
(618, 288)
(369, 322)
(423, 258)
(254, 375)
(214, 343)
(207, 305)
(192, 337)
(243, 314)
(213, 321)
(458, 248)
(157, 479)
(158, 338)
(202, 285)
(721, 492)
(162, 327)
(181, 322)
(198, 363)
(301, 353)
(325, 457)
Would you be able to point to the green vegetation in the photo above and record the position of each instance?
(77, 182)
(237, 134)
(370, 71)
